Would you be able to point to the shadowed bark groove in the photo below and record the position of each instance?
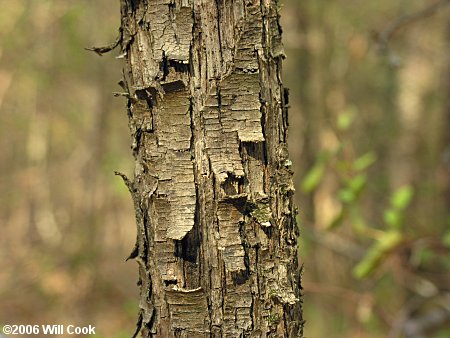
(212, 188)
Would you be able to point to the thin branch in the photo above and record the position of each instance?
(105, 49)
(127, 181)
(404, 20)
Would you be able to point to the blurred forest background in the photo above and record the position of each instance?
(369, 139)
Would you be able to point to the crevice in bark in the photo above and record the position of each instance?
(243, 275)
(164, 66)
(219, 33)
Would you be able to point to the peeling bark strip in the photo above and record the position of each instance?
(216, 240)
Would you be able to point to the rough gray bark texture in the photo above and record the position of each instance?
(217, 238)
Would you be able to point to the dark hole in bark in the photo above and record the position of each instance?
(141, 94)
(267, 231)
(188, 247)
(229, 186)
(243, 182)
(168, 282)
(166, 64)
(179, 66)
(256, 150)
(134, 4)
(173, 86)
(149, 95)
(233, 185)
(249, 207)
(240, 277)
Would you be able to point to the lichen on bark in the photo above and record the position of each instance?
(217, 238)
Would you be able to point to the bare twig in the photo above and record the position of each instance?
(127, 181)
(401, 21)
(105, 49)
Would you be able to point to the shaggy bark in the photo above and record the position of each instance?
(217, 238)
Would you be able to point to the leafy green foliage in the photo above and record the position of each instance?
(352, 172)
(402, 197)
(346, 118)
(399, 201)
(315, 174)
(352, 188)
(388, 241)
(392, 218)
(364, 161)
(368, 113)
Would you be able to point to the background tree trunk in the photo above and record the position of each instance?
(217, 238)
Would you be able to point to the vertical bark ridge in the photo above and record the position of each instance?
(212, 187)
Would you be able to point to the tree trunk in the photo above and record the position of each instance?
(217, 237)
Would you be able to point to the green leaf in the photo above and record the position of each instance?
(364, 161)
(386, 243)
(346, 118)
(357, 183)
(402, 197)
(313, 177)
(346, 195)
(393, 218)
